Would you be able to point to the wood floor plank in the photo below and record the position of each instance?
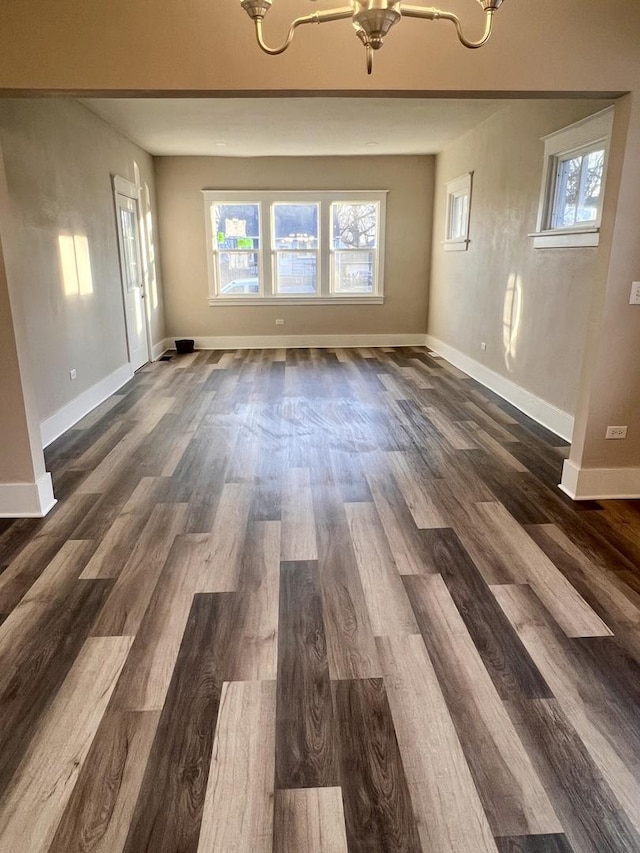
(306, 754)
(504, 656)
(145, 680)
(349, 474)
(511, 488)
(256, 648)
(238, 806)
(170, 805)
(445, 800)
(389, 608)
(534, 844)
(403, 536)
(224, 556)
(35, 660)
(496, 450)
(416, 492)
(116, 461)
(448, 810)
(129, 599)
(590, 814)
(606, 594)
(491, 424)
(116, 546)
(30, 562)
(605, 721)
(309, 819)
(100, 809)
(562, 600)
(513, 798)
(55, 579)
(456, 437)
(298, 523)
(267, 494)
(42, 785)
(350, 643)
(377, 804)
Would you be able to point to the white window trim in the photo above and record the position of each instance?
(455, 189)
(587, 133)
(324, 198)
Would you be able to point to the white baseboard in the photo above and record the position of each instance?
(554, 419)
(160, 348)
(27, 500)
(584, 484)
(62, 420)
(297, 341)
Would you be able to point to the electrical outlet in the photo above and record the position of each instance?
(73, 373)
(634, 299)
(483, 346)
(616, 432)
(279, 322)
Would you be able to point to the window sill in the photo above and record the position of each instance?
(455, 245)
(573, 239)
(232, 301)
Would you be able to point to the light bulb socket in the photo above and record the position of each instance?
(490, 5)
(256, 9)
(376, 23)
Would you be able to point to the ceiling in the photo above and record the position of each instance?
(253, 127)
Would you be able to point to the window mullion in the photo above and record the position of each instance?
(267, 249)
(324, 248)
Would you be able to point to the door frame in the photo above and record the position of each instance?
(121, 186)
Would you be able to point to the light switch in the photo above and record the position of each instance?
(635, 293)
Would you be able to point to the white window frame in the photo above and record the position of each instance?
(325, 295)
(275, 251)
(587, 135)
(457, 188)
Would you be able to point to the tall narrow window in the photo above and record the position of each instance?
(354, 229)
(237, 248)
(295, 247)
(458, 210)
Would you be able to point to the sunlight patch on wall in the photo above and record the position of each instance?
(511, 318)
(75, 264)
(150, 251)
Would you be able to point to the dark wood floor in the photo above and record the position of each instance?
(318, 600)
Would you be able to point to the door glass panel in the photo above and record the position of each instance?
(130, 248)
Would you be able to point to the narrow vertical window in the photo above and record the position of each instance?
(236, 248)
(354, 229)
(458, 212)
(295, 230)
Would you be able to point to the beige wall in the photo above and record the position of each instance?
(59, 159)
(576, 46)
(19, 460)
(180, 181)
(530, 306)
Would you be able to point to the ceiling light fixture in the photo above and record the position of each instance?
(372, 20)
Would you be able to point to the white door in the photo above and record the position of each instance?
(132, 279)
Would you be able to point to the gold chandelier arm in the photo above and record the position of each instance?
(314, 18)
(433, 14)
